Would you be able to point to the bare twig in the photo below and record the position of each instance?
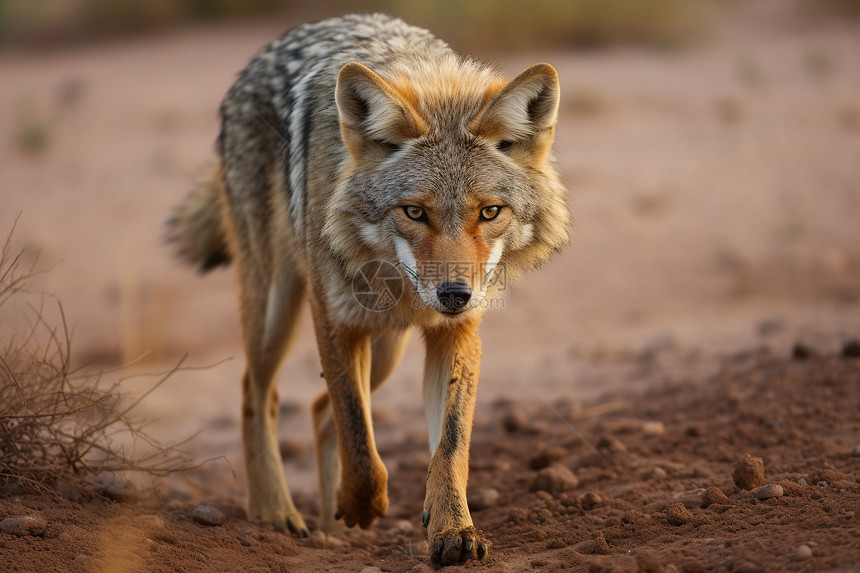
(57, 422)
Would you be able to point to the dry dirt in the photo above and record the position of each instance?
(653, 492)
(716, 199)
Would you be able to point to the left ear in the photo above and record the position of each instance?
(523, 114)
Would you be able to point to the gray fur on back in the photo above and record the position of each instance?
(290, 85)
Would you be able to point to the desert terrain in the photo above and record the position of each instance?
(707, 308)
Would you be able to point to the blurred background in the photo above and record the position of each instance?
(486, 24)
(710, 150)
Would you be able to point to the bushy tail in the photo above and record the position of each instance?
(194, 228)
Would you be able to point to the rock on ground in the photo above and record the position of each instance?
(24, 525)
(555, 480)
(749, 473)
(208, 515)
(484, 498)
(768, 491)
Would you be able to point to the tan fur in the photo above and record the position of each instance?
(398, 120)
(386, 351)
(403, 122)
(452, 369)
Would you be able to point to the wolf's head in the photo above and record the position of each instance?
(448, 175)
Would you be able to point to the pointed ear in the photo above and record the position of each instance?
(521, 118)
(374, 111)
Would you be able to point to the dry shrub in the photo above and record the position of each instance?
(63, 423)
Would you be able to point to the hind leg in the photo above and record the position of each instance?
(269, 320)
(386, 351)
(254, 208)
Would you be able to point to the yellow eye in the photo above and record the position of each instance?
(491, 212)
(415, 213)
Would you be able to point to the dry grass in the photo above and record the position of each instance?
(63, 423)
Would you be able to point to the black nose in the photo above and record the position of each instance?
(454, 296)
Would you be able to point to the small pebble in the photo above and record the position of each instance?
(715, 495)
(371, 570)
(587, 547)
(555, 480)
(116, 492)
(802, 552)
(482, 499)
(851, 349)
(822, 483)
(24, 525)
(677, 514)
(589, 500)
(659, 473)
(694, 498)
(855, 453)
(749, 473)
(768, 491)
(208, 515)
(802, 481)
(318, 539)
(248, 535)
(653, 428)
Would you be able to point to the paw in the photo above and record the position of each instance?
(360, 500)
(457, 545)
(284, 521)
(329, 524)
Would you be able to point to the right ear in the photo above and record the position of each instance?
(374, 111)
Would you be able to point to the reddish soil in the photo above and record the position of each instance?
(715, 192)
(654, 493)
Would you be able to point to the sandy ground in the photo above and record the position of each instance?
(716, 199)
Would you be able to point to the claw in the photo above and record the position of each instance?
(455, 546)
(301, 532)
(451, 554)
(425, 519)
(436, 554)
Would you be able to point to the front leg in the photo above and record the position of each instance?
(450, 385)
(345, 355)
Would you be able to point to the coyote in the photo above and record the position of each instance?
(359, 156)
